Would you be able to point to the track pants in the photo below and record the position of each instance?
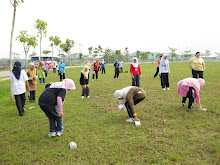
(190, 96)
(20, 102)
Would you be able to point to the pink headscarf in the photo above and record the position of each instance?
(66, 84)
(202, 82)
(69, 84)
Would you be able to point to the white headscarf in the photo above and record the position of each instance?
(103, 61)
(164, 61)
(66, 84)
(122, 94)
(135, 64)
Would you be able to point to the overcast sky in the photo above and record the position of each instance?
(144, 25)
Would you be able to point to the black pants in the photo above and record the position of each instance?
(62, 76)
(20, 102)
(85, 91)
(96, 73)
(121, 69)
(103, 70)
(190, 96)
(54, 70)
(136, 101)
(116, 74)
(164, 80)
(157, 71)
(32, 96)
(196, 73)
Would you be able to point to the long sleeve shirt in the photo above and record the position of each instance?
(158, 63)
(163, 68)
(134, 70)
(183, 87)
(62, 68)
(137, 93)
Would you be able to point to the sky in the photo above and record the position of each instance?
(144, 25)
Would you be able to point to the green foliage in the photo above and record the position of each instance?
(41, 26)
(144, 55)
(27, 41)
(46, 51)
(55, 40)
(90, 50)
(206, 54)
(67, 45)
(173, 52)
(169, 134)
(138, 54)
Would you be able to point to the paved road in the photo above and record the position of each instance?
(4, 74)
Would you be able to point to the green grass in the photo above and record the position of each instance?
(169, 134)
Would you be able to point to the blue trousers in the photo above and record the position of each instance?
(56, 122)
(136, 80)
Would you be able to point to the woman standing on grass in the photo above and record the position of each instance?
(84, 81)
(51, 102)
(135, 71)
(117, 71)
(32, 81)
(197, 65)
(164, 72)
(130, 96)
(190, 88)
(103, 66)
(47, 68)
(96, 66)
(158, 65)
(62, 70)
(19, 78)
(41, 72)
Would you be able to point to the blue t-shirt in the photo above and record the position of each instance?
(103, 64)
(62, 68)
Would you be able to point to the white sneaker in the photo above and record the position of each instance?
(183, 104)
(88, 97)
(92, 79)
(163, 89)
(59, 133)
(130, 120)
(168, 89)
(82, 97)
(52, 134)
(203, 109)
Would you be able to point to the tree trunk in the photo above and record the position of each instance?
(25, 64)
(40, 48)
(11, 44)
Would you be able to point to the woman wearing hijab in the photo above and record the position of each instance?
(51, 102)
(103, 66)
(189, 88)
(32, 81)
(130, 96)
(96, 66)
(62, 70)
(47, 68)
(197, 65)
(135, 71)
(164, 70)
(19, 78)
(84, 81)
(41, 72)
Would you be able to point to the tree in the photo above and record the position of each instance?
(54, 41)
(218, 54)
(187, 54)
(14, 3)
(67, 47)
(173, 52)
(107, 53)
(90, 51)
(100, 49)
(138, 53)
(207, 53)
(41, 26)
(27, 42)
(144, 55)
(126, 54)
(33, 54)
(16, 56)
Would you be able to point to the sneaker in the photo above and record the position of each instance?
(82, 97)
(130, 120)
(88, 97)
(203, 109)
(168, 89)
(183, 104)
(92, 79)
(52, 134)
(163, 89)
(59, 133)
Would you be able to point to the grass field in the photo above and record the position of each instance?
(169, 134)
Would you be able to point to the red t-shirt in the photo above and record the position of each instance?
(95, 67)
(134, 70)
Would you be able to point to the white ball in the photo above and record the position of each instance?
(72, 145)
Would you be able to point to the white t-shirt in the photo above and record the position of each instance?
(120, 64)
(19, 85)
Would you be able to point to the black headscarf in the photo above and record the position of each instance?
(17, 69)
